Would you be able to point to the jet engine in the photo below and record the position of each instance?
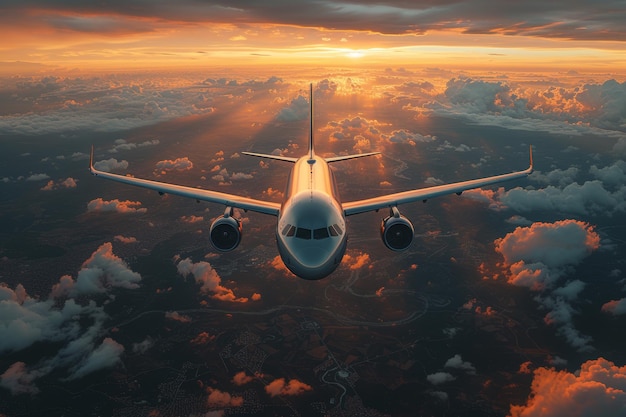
(396, 231)
(225, 232)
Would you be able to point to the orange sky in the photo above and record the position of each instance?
(465, 35)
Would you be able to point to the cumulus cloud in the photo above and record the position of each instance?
(76, 328)
(356, 261)
(297, 110)
(538, 257)
(116, 205)
(615, 307)
(104, 356)
(101, 272)
(598, 388)
(60, 184)
(225, 178)
(439, 378)
(222, 399)
(280, 387)
(210, 281)
(178, 164)
(110, 164)
(456, 362)
(241, 378)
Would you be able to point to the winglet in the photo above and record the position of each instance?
(91, 168)
(531, 167)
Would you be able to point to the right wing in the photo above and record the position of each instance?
(231, 200)
(391, 200)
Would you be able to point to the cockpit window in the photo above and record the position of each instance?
(320, 233)
(289, 230)
(317, 234)
(303, 233)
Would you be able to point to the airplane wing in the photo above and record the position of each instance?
(259, 206)
(376, 203)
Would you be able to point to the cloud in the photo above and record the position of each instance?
(556, 19)
(279, 387)
(192, 219)
(101, 272)
(456, 362)
(101, 104)
(538, 257)
(615, 307)
(18, 379)
(210, 281)
(123, 145)
(24, 320)
(143, 346)
(176, 316)
(37, 177)
(587, 109)
(241, 378)
(110, 164)
(66, 183)
(597, 389)
(75, 329)
(439, 378)
(104, 356)
(221, 399)
(356, 261)
(125, 239)
(297, 110)
(178, 164)
(116, 205)
(224, 177)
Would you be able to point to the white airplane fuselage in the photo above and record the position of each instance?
(311, 231)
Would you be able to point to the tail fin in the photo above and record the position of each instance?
(311, 150)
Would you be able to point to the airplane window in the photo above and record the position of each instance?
(292, 231)
(332, 231)
(338, 229)
(303, 233)
(320, 233)
(286, 229)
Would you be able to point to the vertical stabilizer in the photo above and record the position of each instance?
(311, 151)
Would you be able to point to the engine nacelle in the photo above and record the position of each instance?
(225, 233)
(397, 231)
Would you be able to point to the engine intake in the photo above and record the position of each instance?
(396, 231)
(225, 233)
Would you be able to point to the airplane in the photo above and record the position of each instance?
(311, 233)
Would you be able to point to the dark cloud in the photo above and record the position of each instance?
(581, 19)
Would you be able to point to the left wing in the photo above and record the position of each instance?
(376, 203)
(259, 206)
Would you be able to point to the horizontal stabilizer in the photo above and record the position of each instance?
(346, 157)
(268, 156)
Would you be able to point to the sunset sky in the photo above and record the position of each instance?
(477, 34)
(510, 302)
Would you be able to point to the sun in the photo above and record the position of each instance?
(355, 54)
